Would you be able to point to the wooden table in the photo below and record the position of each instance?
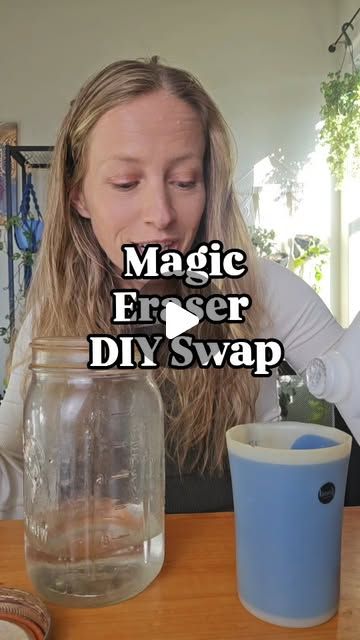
(194, 597)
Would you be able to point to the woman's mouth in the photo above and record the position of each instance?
(166, 245)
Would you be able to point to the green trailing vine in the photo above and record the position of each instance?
(26, 257)
(21, 259)
(341, 120)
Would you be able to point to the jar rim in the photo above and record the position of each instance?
(61, 342)
(71, 353)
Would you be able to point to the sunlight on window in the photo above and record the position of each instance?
(294, 199)
(350, 238)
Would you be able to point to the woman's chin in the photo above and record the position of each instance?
(138, 284)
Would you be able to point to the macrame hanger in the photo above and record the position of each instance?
(29, 192)
(28, 235)
(29, 232)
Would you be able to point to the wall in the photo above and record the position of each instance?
(345, 11)
(262, 60)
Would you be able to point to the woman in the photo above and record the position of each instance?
(143, 155)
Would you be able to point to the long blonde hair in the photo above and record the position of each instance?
(70, 290)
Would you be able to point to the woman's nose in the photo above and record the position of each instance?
(158, 209)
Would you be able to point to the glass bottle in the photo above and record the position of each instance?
(93, 477)
(335, 376)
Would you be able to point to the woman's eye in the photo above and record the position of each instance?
(186, 185)
(125, 186)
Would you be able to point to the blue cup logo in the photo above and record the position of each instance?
(326, 492)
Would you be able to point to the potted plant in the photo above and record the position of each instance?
(263, 241)
(340, 114)
(309, 249)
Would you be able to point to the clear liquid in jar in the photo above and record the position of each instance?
(95, 565)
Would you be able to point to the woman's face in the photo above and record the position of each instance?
(144, 181)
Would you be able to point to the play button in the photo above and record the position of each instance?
(178, 320)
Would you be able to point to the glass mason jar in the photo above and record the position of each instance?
(94, 480)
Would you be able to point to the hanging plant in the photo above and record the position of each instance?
(27, 228)
(341, 120)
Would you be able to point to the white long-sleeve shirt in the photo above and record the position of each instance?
(300, 320)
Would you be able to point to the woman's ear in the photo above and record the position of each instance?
(77, 200)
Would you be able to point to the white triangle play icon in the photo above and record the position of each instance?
(178, 320)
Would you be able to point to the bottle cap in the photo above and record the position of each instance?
(329, 377)
(316, 377)
(23, 616)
